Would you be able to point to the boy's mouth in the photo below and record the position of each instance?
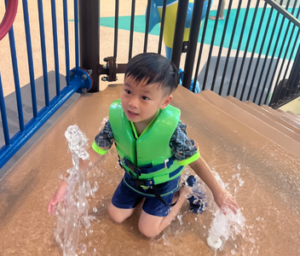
(132, 114)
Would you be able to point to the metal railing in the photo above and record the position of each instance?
(76, 80)
(261, 32)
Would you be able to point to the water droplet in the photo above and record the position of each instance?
(94, 209)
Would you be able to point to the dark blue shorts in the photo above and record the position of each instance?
(128, 196)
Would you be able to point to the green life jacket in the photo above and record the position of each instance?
(148, 157)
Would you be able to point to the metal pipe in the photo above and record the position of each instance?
(179, 32)
(116, 28)
(16, 76)
(162, 26)
(89, 39)
(43, 49)
(131, 29)
(271, 62)
(221, 45)
(212, 43)
(76, 34)
(230, 46)
(30, 59)
(258, 60)
(246, 50)
(202, 43)
(55, 46)
(3, 115)
(238, 50)
(66, 29)
(193, 38)
(147, 26)
(253, 51)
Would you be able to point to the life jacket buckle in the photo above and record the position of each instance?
(166, 163)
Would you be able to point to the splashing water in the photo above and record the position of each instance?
(73, 213)
(223, 226)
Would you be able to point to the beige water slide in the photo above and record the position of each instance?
(236, 139)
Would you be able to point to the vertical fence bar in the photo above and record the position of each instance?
(276, 97)
(3, 115)
(238, 50)
(131, 29)
(147, 25)
(286, 51)
(179, 32)
(265, 61)
(260, 100)
(253, 51)
(246, 50)
(162, 25)
(55, 46)
(43, 49)
(258, 60)
(89, 13)
(202, 42)
(76, 34)
(212, 44)
(16, 75)
(291, 55)
(295, 72)
(30, 59)
(221, 45)
(230, 46)
(271, 62)
(116, 28)
(193, 39)
(66, 29)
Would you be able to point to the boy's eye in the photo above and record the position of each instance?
(127, 91)
(145, 98)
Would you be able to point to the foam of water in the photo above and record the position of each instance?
(72, 214)
(223, 227)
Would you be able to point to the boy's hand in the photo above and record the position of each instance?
(58, 196)
(225, 200)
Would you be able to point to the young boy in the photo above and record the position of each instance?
(153, 149)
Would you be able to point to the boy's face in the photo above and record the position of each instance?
(141, 102)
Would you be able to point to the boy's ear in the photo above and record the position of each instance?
(166, 101)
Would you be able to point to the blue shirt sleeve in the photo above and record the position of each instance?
(105, 138)
(182, 147)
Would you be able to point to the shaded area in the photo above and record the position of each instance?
(12, 113)
(234, 77)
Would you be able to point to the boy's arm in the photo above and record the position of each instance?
(85, 166)
(222, 198)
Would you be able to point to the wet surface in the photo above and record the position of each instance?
(269, 197)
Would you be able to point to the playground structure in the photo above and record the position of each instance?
(261, 144)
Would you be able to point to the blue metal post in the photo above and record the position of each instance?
(76, 34)
(16, 76)
(66, 28)
(55, 45)
(30, 59)
(3, 115)
(43, 48)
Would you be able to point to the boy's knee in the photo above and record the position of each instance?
(148, 232)
(114, 215)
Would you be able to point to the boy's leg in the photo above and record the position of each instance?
(151, 225)
(123, 203)
(119, 215)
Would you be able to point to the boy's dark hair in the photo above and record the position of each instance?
(154, 68)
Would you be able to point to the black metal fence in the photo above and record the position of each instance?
(253, 54)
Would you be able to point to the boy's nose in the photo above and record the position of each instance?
(134, 103)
